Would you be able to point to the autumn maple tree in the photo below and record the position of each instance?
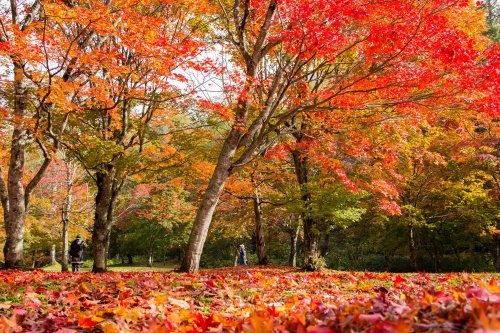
(332, 60)
(26, 112)
(102, 69)
(128, 84)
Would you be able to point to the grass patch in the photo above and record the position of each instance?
(159, 267)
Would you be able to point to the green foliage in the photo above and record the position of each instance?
(314, 264)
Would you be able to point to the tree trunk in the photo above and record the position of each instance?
(457, 255)
(191, 260)
(65, 214)
(294, 236)
(16, 212)
(325, 244)
(312, 254)
(107, 247)
(497, 253)
(102, 227)
(253, 56)
(14, 229)
(311, 245)
(411, 248)
(65, 247)
(497, 248)
(33, 259)
(53, 254)
(150, 259)
(259, 231)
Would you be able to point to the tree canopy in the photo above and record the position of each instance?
(298, 127)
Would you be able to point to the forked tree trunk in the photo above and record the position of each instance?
(253, 56)
(259, 230)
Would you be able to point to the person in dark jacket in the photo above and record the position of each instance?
(242, 255)
(76, 253)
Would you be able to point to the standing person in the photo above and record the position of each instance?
(242, 255)
(76, 253)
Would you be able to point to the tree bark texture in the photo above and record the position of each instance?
(103, 217)
(16, 210)
(311, 234)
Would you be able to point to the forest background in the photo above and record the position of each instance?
(349, 135)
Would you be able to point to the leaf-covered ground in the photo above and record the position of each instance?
(248, 300)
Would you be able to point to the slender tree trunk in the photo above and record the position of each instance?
(150, 259)
(191, 260)
(65, 231)
(53, 254)
(411, 248)
(294, 236)
(259, 231)
(65, 249)
(325, 244)
(66, 210)
(33, 259)
(497, 248)
(497, 251)
(253, 56)
(107, 248)
(457, 255)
